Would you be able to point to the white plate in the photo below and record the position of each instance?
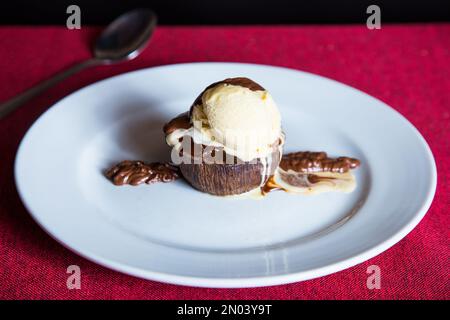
(173, 233)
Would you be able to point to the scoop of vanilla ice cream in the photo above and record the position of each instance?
(245, 121)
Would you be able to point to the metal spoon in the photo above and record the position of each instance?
(124, 39)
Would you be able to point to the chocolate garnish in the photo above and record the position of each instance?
(181, 121)
(243, 82)
(137, 172)
(240, 81)
(306, 162)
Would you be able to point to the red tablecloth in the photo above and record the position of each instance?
(405, 66)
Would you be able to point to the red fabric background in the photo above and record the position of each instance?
(405, 66)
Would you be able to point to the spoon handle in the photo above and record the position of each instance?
(13, 103)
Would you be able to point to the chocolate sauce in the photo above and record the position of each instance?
(313, 178)
(240, 81)
(182, 121)
(138, 172)
(207, 154)
(301, 180)
(307, 162)
(298, 179)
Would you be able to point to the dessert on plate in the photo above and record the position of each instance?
(230, 143)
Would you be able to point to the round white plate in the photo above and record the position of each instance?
(173, 233)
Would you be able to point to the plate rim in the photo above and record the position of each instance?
(245, 282)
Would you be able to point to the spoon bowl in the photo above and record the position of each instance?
(126, 36)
